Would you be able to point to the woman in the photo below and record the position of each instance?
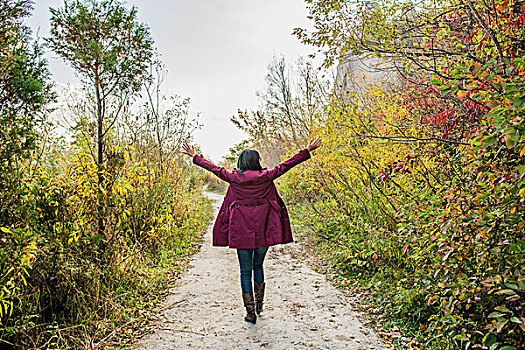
(252, 216)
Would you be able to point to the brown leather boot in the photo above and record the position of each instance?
(249, 304)
(259, 296)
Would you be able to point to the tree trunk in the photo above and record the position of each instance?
(100, 166)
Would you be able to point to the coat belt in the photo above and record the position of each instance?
(254, 202)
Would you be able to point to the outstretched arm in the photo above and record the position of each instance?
(220, 172)
(296, 159)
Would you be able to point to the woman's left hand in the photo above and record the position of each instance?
(313, 144)
(189, 150)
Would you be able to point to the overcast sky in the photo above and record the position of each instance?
(216, 52)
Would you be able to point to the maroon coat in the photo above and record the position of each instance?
(252, 214)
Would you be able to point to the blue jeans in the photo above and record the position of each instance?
(251, 260)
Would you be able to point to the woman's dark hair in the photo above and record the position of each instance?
(248, 160)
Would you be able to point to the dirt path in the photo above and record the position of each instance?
(302, 310)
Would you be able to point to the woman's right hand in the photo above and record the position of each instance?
(189, 150)
(313, 144)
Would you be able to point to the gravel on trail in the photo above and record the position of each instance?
(302, 310)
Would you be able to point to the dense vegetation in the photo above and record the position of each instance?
(417, 197)
(418, 194)
(97, 215)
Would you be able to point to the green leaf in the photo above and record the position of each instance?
(515, 319)
(502, 309)
(489, 140)
(512, 286)
(506, 291)
(509, 142)
(494, 346)
(489, 339)
(518, 100)
(507, 347)
(520, 62)
(509, 87)
(6, 230)
(501, 323)
(496, 315)
(444, 88)
(514, 134)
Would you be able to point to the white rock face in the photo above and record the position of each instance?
(355, 73)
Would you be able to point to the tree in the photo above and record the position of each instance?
(445, 148)
(164, 118)
(24, 93)
(111, 51)
(292, 99)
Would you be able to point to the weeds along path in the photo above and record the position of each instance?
(302, 309)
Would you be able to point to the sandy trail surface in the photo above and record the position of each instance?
(302, 309)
